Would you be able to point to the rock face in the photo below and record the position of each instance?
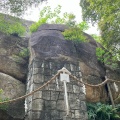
(13, 72)
(11, 62)
(12, 88)
(49, 43)
(5, 116)
(50, 53)
(92, 70)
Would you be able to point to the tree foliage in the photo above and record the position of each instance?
(75, 31)
(107, 14)
(11, 25)
(74, 34)
(17, 7)
(47, 15)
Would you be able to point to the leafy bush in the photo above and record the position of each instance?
(52, 16)
(100, 54)
(75, 32)
(11, 25)
(99, 111)
(45, 15)
(106, 57)
(24, 53)
(34, 27)
(97, 38)
(83, 26)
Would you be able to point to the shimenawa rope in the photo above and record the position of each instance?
(53, 78)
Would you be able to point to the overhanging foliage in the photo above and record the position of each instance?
(107, 14)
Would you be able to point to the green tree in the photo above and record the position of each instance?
(75, 31)
(107, 14)
(17, 7)
(47, 15)
(11, 25)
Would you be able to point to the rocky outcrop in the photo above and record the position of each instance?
(12, 88)
(14, 59)
(93, 71)
(49, 47)
(11, 62)
(13, 72)
(50, 53)
(49, 43)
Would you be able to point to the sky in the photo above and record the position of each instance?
(70, 6)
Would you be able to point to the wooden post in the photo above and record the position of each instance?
(110, 93)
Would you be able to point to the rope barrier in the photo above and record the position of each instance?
(31, 93)
(98, 85)
(53, 78)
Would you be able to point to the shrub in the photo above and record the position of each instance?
(34, 27)
(99, 111)
(75, 32)
(24, 53)
(11, 25)
(106, 57)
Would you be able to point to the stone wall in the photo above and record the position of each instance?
(48, 104)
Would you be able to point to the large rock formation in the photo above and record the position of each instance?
(49, 53)
(49, 43)
(49, 47)
(12, 88)
(11, 62)
(13, 72)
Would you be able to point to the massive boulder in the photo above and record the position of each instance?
(12, 88)
(49, 43)
(14, 59)
(50, 53)
(11, 62)
(13, 72)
